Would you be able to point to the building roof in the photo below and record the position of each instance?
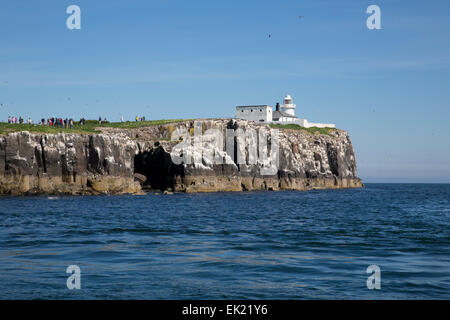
(255, 106)
(278, 114)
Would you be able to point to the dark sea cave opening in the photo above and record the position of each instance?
(158, 168)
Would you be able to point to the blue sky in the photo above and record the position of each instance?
(165, 59)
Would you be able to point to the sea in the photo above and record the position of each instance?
(384, 241)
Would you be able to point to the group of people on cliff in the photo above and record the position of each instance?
(51, 122)
(20, 120)
(58, 122)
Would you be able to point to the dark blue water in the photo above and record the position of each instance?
(259, 245)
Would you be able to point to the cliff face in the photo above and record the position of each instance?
(121, 160)
(306, 161)
(66, 164)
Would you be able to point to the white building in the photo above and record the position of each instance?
(258, 113)
(288, 107)
(282, 115)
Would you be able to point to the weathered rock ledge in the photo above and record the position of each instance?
(66, 164)
(119, 161)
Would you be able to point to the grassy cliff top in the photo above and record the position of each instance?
(91, 126)
(312, 130)
(88, 128)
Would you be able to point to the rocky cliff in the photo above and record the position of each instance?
(187, 156)
(66, 164)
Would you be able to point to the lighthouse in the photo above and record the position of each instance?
(283, 114)
(288, 107)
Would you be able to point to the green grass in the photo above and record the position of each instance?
(88, 128)
(6, 128)
(133, 124)
(312, 130)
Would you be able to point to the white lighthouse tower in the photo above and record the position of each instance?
(288, 107)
